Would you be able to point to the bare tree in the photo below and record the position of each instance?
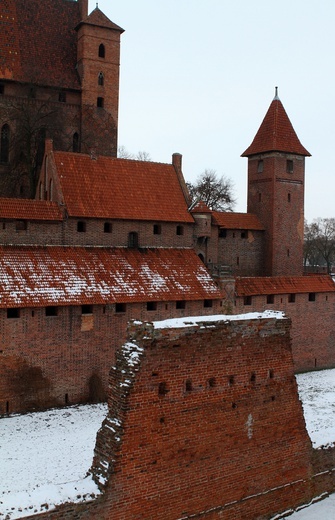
(216, 192)
(320, 242)
(141, 155)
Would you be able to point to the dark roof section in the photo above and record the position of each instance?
(38, 42)
(276, 134)
(42, 276)
(283, 285)
(27, 209)
(99, 19)
(237, 220)
(112, 188)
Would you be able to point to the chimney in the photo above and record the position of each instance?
(176, 161)
(48, 146)
(83, 6)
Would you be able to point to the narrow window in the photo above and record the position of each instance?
(162, 389)
(50, 189)
(222, 233)
(51, 311)
(157, 229)
(237, 260)
(253, 377)
(87, 309)
(211, 382)
(101, 79)
(5, 136)
(289, 197)
(62, 97)
(81, 226)
(231, 380)
(289, 166)
(271, 373)
(101, 50)
(270, 298)
(291, 298)
(66, 398)
(13, 313)
(180, 304)
(208, 303)
(107, 227)
(244, 234)
(288, 252)
(179, 230)
(133, 239)
(75, 142)
(247, 300)
(260, 166)
(311, 297)
(2, 90)
(259, 197)
(188, 385)
(120, 307)
(100, 102)
(151, 306)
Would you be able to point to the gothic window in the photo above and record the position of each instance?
(100, 102)
(5, 136)
(101, 50)
(260, 166)
(75, 142)
(101, 79)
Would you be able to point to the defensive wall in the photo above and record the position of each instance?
(204, 422)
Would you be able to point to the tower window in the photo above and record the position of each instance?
(289, 166)
(101, 50)
(75, 142)
(101, 79)
(100, 102)
(4, 145)
(62, 97)
(260, 166)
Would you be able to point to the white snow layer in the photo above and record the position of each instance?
(45, 456)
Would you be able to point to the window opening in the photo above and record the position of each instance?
(211, 382)
(231, 380)
(5, 137)
(157, 229)
(62, 97)
(270, 298)
(101, 50)
(101, 79)
(81, 226)
(107, 227)
(244, 234)
(51, 311)
(179, 230)
(13, 313)
(222, 233)
(120, 307)
(247, 300)
(291, 298)
(188, 385)
(311, 297)
(75, 142)
(208, 303)
(21, 225)
(151, 306)
(289, 197)
(180, 304)
(87, 309)
(133, 239)
(289, 166)
(260, 166)
(100, 102)
(162, 388)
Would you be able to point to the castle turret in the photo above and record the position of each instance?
(276, 172)
(98, 63)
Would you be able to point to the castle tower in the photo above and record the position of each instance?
(276, 172)
(98, 63)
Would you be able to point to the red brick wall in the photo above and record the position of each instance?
(277, 198)
(313, 335)
(244, 254)
(50, 360)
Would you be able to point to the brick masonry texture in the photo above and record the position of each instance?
(204, 422)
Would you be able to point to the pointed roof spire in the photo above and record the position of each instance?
(276, 133)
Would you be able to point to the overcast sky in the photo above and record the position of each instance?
(197, 77)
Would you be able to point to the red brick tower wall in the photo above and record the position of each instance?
(276, 196)
(102, 119)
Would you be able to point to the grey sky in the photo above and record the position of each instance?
(197, 77)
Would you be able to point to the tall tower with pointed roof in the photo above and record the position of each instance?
(276, 173)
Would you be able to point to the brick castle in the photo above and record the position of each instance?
(104, 241)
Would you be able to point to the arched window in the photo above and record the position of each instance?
(4, 145)
(101, 50)
(101, 79)
(75, 142)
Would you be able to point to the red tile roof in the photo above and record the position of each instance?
(237, 220)
(201, 207)
(283, 285)
(38, 42)
(98, 18)
(120, 189)
(276, 133)
(41, 276)
(26, 209)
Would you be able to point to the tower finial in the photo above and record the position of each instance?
(276, 93)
